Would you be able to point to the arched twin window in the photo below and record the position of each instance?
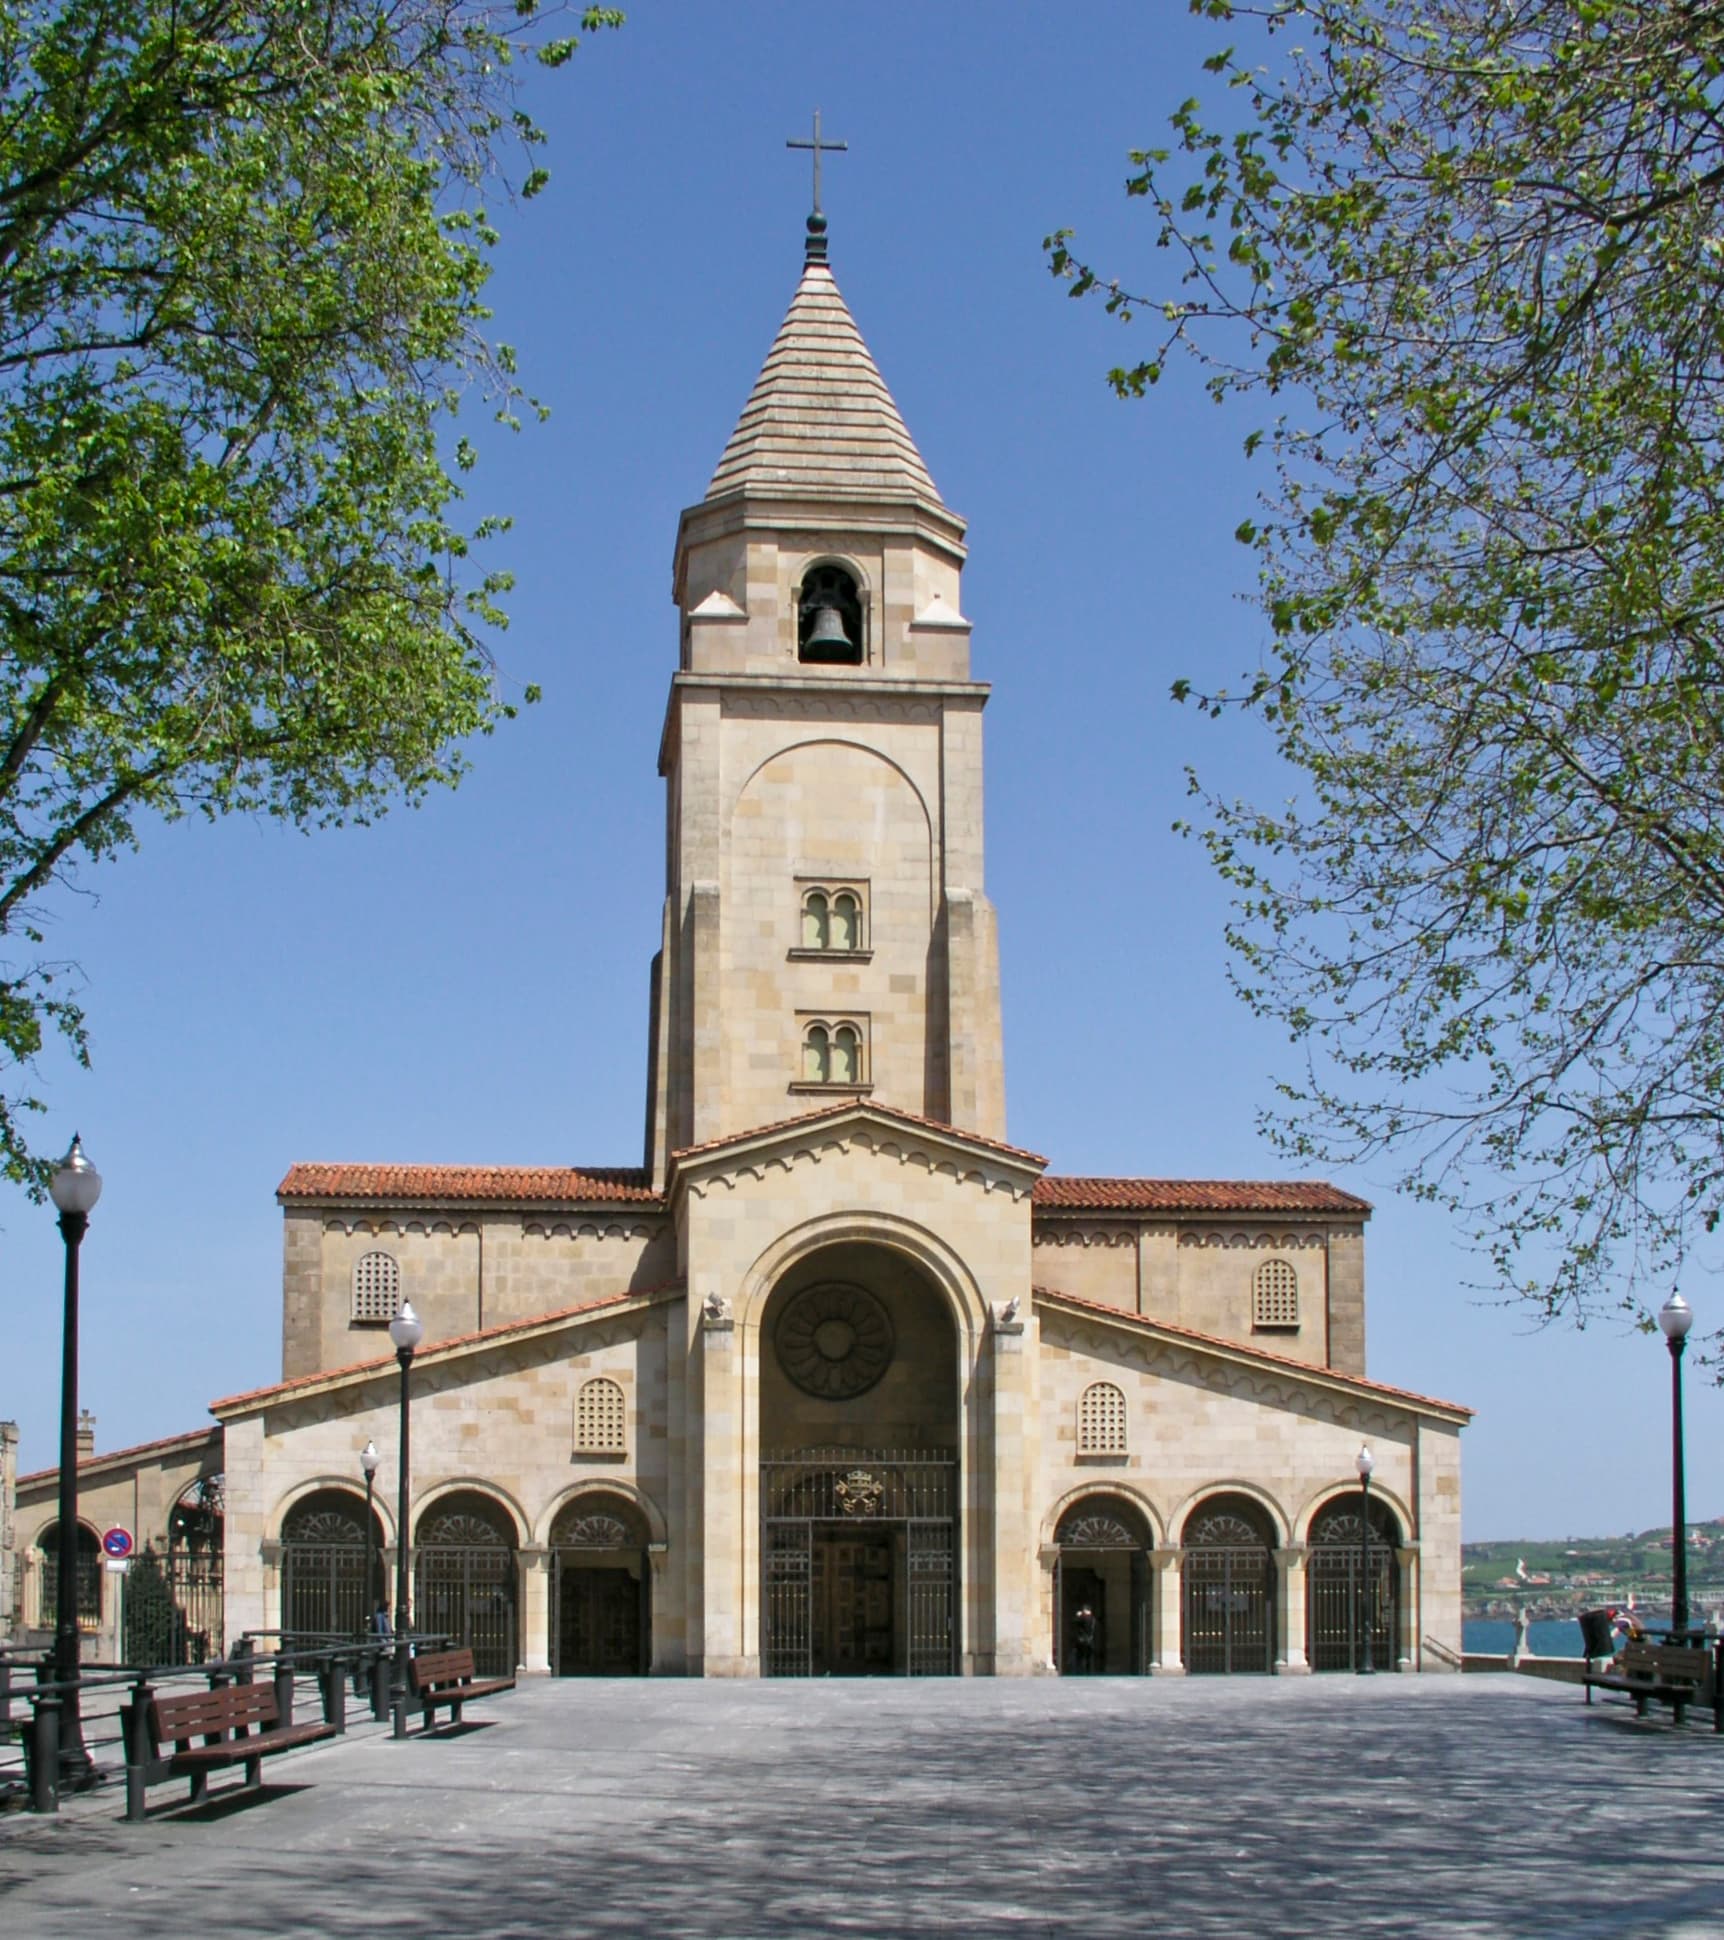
(600, 1419)
(832, 1054)
(1275, 1296)
(376, 1287)
(1101, 1420)
(831, 918)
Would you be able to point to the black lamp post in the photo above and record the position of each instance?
(1364, 1462)
(368, 1461)
(74, 1189)
(1675, 1317)
(406, 1332)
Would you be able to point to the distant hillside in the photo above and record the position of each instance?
(1573, 1572)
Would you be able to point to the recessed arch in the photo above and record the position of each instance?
(941, 1263)
(291, 1498)
(1345, 1492)
(497, 1500)
(597, 1485)
(813, 741)
(1125, 1491)
(1181, 1513)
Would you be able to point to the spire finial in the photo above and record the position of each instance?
(814, 249)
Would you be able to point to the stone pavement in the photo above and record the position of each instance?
(1478, 1806)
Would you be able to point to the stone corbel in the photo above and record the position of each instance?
(1293, 1556)
(656, 1554)
(716, 1316)
(1008, 1315)
(1048, 1555)
(270, 1551)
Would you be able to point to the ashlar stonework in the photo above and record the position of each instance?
(836, 1380)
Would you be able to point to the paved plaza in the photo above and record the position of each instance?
(1480, 1806)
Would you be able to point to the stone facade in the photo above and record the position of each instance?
(836, 1380)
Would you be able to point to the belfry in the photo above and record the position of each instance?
(837, 1379)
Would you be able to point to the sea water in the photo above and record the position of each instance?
(1545, 1637)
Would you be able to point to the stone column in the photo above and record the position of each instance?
(1164, 1577)
(535, 1566)
(269, 1555)
(663, 1657)
(1290, 1579)
(1407, 1643)
(716, 1449)
(1046, 1637)
(1015, 1587)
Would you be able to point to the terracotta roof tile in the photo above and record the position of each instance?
(515, 1184)
(188, 1440)
(868, 1107)
(485, 1335)
(1145, 1323)
(1056, 1193)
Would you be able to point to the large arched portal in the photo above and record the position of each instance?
(331, 1572)
(1229, 1586)
(1101, 1602)
(859, 1472)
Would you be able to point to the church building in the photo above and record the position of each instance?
(837, 1380)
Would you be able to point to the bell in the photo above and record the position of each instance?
(827, 638)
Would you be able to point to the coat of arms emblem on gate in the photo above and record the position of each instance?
(859, 1493)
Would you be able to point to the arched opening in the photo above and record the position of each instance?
(601, 1588)
(1228, 1586)
(859, 1439)
(1101, 1589)
(173, 1602)
(331, 1566)
(89, 1590)
(464, 1578)
(1351, 1584)
(829, 619)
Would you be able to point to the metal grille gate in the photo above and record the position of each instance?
(464, 1585)
(173, 1607)
(1228, 1594)
(827, 1499)
(1339, 1590)
(329, 1570)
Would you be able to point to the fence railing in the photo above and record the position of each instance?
(33, 1701)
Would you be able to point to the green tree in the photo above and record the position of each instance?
(1467, 259)
(243, 245)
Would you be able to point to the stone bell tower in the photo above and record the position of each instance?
(826, 934)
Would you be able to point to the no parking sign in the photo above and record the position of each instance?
(117, 1544)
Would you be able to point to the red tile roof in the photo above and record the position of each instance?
(1056, 1193)
(484, 1336)
(859, 1106)
(191, 1439)
(1145, 1323)
(516, 1184)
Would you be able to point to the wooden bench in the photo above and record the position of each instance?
(238, 1724)
(1675, 1674)
(446, 1677)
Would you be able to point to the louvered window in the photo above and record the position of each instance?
(1275, 1295)
(376, 1287)
(599, 1419)
(1101, 1420)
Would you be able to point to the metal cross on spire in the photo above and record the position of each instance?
(819, 147)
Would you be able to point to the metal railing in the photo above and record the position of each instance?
(113, 1700)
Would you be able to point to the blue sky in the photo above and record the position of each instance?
(469, 983)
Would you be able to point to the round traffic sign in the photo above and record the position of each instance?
(117, 1543)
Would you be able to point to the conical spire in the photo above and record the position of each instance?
(820, 421)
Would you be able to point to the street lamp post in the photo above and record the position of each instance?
(369, 1460)
(406, 1332)
(1364, 1462)
(74, 1189)
(1675, 1317)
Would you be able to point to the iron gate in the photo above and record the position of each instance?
(329, 1572)
(1228, 1582)
(601, 1590)
(173, 1608)
(1342, 1594)
(817, 1508)
(464, 1587)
